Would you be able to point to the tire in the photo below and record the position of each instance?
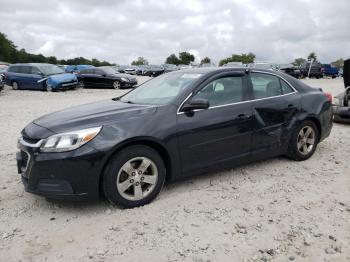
(15, 85)
(300, 148)
(81, 84)
(48, 87)
(116, 85)
(120, 186)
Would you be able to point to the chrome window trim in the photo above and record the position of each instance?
(247, 101)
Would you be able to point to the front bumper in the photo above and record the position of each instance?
(341, 114)
(66, 86)
(70, 175)
(129, 84)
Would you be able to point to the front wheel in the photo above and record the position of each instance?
(116, 85)
(134, 176)
(15, 85)
(303, 141)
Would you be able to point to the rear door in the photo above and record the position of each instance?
(101, 79)
(25, 77)
(275, 104)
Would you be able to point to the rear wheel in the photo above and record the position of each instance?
(15, 85)
(134, 176)
(304, 141)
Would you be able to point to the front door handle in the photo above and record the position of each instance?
(242, 117)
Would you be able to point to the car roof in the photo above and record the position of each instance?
(31, 64)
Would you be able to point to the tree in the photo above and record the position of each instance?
(338, 63)
(298, 61)
(186, 58)
(172, 59)
(312, 56)
(206, 60)
(244, 58)
(140, 61)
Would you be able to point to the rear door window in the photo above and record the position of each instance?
(25, 69)
(266, 85)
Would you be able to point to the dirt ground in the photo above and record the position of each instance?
(274, 210)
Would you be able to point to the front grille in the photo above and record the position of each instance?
(25, 161)
(30, 140)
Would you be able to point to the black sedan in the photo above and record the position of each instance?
(290, 70)
(154, 70)
(176, 125)
(104, 77)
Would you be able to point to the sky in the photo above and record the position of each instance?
(119, 30)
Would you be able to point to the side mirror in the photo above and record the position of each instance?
(195, 104)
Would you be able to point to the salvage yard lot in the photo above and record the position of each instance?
(275, 209)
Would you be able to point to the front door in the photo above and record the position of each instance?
(220, 133)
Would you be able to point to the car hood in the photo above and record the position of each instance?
(92, 115)
(62, 78)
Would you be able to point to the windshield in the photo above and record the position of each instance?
(162, 89)
(50, 69)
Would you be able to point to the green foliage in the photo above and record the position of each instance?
(298, 61)
(338, 63)
(10, 53)
(311, 56)
(206, 60)
(244, 58)
(184, 58)
(173, 59)
(140, 61)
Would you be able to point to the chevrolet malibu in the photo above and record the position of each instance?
(179, 124)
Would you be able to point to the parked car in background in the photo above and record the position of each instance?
(154, 70)
(39, 76)
(329, 70)
(181, 67)
(176, 125)
(207, 65)
(340, 73)
(315, 71)
(341, 102)
(130, 70)
(169, 68)
(104, 77)
(290, 70)
(141, 69)
(3, 68)
(234, 64)
(76, 68)
(263, 65)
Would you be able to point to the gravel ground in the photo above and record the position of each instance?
(274, 210)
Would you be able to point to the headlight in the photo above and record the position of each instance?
(69, 141)
(336, 101)
(125, 79)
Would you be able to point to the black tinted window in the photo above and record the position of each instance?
(98, 72)
(265, 85)
(35, 70)
(25, 69)
(286, 89)
(223, 91)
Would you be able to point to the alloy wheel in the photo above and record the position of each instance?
(81, 84)
(137, 178)
(306, 140)
(116, 84)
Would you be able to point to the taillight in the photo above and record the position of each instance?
(329, 96)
